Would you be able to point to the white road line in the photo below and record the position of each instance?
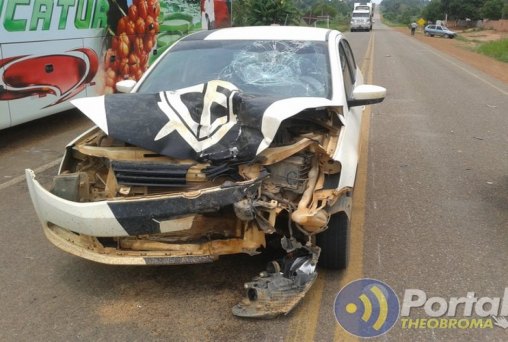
(468, 72)
(21, 178)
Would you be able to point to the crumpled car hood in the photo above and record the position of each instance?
(213, 121)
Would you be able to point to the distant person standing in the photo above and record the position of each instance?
(413, 28)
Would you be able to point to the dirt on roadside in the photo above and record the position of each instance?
(459, 50)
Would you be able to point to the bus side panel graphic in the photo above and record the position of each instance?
(51, 52)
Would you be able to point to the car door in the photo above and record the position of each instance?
(348, 152)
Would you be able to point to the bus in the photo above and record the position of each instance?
(53, 51)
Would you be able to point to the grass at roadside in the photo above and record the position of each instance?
(497, 49)
(391, 23)
(334, 24)
(482, 42)
(342, 27)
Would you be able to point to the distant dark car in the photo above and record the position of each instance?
(439, 30)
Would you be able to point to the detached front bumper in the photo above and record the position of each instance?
(77, 227)
(88, 247)
(130, 217)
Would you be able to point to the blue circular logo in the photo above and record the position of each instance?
(367, 307)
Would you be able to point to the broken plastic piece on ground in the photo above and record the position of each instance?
(273, 294)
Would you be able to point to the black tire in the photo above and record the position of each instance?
(334, 243)
(432, 35)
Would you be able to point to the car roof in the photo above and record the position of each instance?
(264, 33)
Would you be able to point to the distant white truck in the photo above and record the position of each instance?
(362, 16)
(361, 20)
(363, 6)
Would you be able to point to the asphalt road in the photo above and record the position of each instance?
(437, 197)
(431, 214)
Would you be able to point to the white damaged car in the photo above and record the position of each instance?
(233, 138)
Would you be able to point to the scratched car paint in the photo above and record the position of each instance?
(225, 145)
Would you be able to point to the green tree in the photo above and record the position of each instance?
(324, 8)
(239, 13)
(492, 9)
(402, 11)
(304, 5)
(445, 4)
(462, 9)
(267, 12)
(433, 11)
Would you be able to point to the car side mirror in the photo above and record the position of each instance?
(366, 94)
(125, 86)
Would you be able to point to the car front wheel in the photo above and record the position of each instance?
(334, 242)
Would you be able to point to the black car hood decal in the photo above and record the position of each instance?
(212, 121)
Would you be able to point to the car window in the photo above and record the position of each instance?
(439, 28)
(276, 68)
(349, 55)
(348, 66)
(432, 27)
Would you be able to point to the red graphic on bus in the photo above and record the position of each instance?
(62, 75)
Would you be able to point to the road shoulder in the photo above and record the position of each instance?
(455, 48)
